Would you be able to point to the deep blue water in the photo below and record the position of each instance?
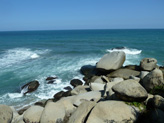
(30, 55)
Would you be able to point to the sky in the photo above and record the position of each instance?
(80, 14)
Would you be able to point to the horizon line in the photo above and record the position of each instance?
(80, 29)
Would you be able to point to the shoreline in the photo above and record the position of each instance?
(138, 89)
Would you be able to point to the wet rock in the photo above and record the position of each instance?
(30, 87)
(50, 78)
(88, 70)
(111, 61)
(76, 82)
(68, 88)
(148, 64)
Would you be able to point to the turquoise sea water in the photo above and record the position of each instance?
(30, 55)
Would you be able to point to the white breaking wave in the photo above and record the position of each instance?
(126, 50)
(18, 55)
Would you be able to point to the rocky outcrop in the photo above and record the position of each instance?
(153, 79)
(148, 64)
(99, 79)
(80, 115)
(124, 73)
(112, 112)
(80, 89)
(6, 114)
(76, 82)
(30, 87)
(51, 79)
(158, 102)
(33, 114)
(111, 61)
(130, 90)
(143, 74)
(97, 86)
(53, 113)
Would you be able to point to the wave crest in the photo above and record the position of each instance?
(126, 50)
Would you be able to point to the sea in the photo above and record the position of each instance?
(35, 55)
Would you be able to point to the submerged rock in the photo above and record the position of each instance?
(51, 80)
(148, 64)
(111, 61)
(130, 90)
(30, 87)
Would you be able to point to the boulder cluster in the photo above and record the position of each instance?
(111, 94)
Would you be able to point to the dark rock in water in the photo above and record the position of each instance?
(88, 70)
(68, 88)
(50, 78)
(76, 82)
(30, 87)
(118, 48)
(51, 82)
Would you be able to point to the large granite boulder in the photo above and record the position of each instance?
(76, 82)
(33, 114)
(30, 87)
(80, 89)
(81, 113)
(111, 61)
(6, 114)
(130, 90)
(124, 73)
(97, 86)
(153, 79)
(148, 64)
(112, 112)
(53, 113)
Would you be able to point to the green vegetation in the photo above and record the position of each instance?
(158, 90)
(140, 105)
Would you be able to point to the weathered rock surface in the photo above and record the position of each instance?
(111, 61)
(158, 102)
(76, 82)
(135, 78)
(30, 87)
(124, 73)
(80, 115)
(130, 90)
(153, 79)
(148, 64)
(143, 74)
(112, 112)
(116, 79)
(33, 114)
(53, 113)
(97, 86)
(99, 79)
(6, 114)
(80, 89)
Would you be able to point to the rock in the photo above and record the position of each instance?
(88, 70)
(111, 61)
(61, 94)
(135, 78)
(80, 89)
(15, 114)
(143, 74)
(148, 64)
(92, 95)
(33, 114)
(18, 119)
(153, 80)
(80, 115)
(112, 112)
(21, 111)
(117, 79)
(150, 96)
(30, 87)
(53, 113)
(99, 79)
(41, 103)
(133, 67)
(124, 73)
(158, 102)
(130, 90)
(97, 86)
(51, 78)
(76, 82)
(68, 88)
(6, 114)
